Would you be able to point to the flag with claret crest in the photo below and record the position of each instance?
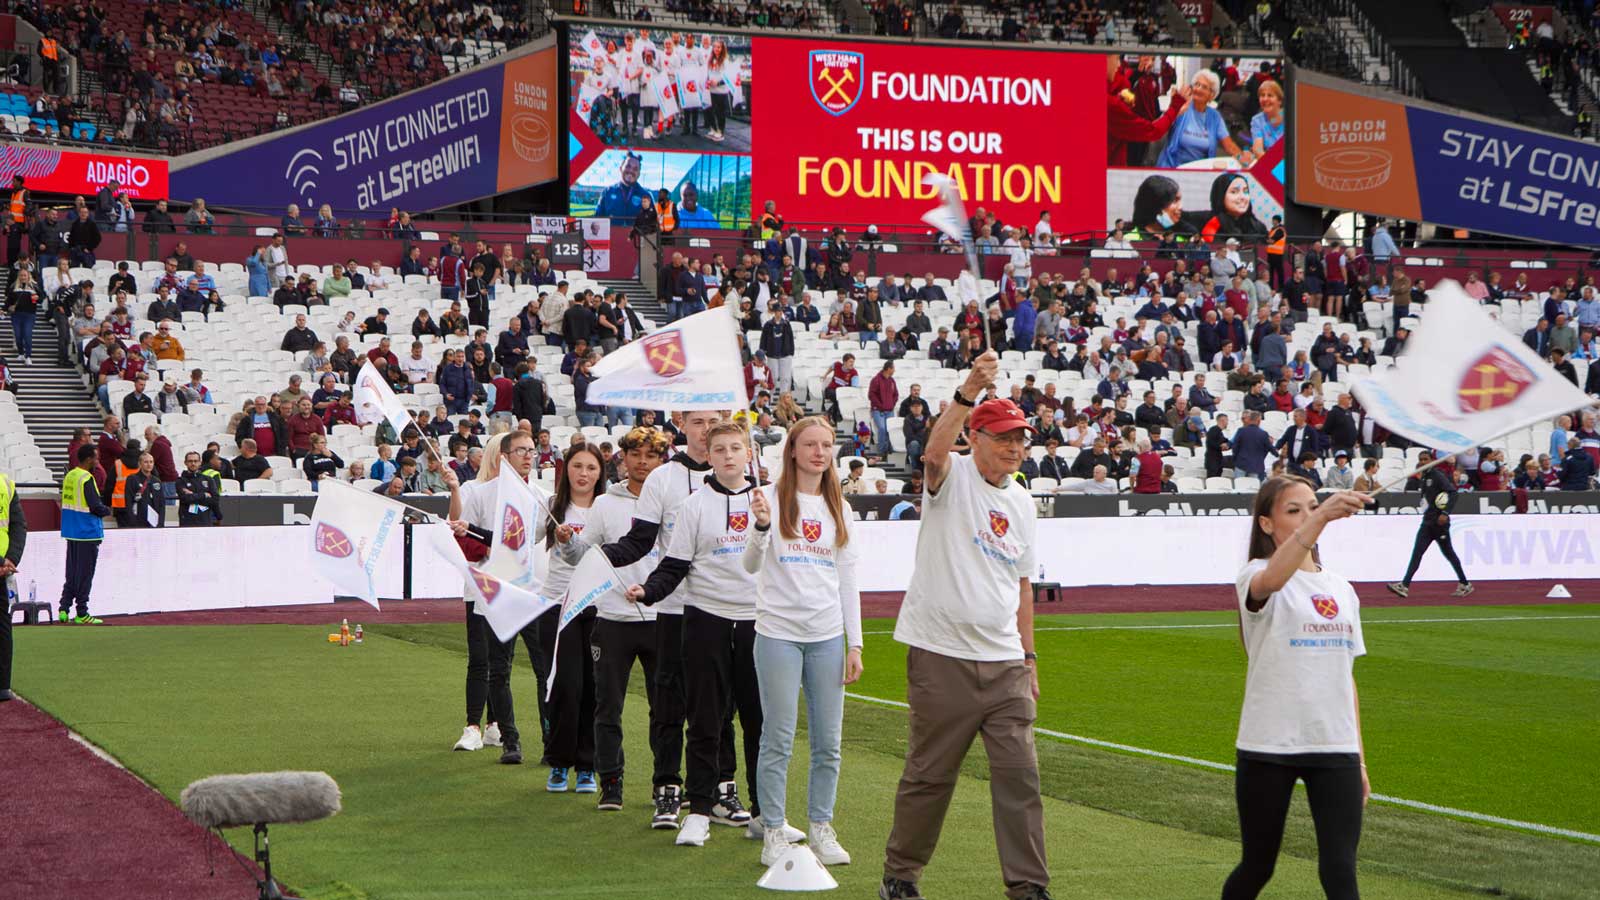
(349, 530)
(519, 510)
(507, 607)
(1463, 380)
(692, 364)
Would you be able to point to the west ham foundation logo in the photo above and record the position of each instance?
(513, 532)
(998, 523)
(488, 586)
(332, 542)
(738, 521)
(1497, 378)
(837, 79)
(1325, 605)
(664, 353)
(811, 529)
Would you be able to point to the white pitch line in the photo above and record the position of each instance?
(1224, 767)
(1236, 624)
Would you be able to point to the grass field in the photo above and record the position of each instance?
(1496, 717)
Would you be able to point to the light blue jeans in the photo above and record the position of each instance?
(782, 669)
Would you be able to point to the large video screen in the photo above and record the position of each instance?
(844, 133)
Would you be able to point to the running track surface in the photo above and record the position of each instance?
(60, 845)
(60, 840)
(1104, 599)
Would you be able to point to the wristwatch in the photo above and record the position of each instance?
(1029, 656)
(961, 399)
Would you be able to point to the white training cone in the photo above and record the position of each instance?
(1559, 592)
(798, 870)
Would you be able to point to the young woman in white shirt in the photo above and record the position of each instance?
(1301, 626)
(708, 537)
(808, 630)
(569, 711)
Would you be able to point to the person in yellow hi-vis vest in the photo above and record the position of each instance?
(13, 537)
(82, 529)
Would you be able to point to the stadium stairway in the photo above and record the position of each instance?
(52, 399)
(643, 301)
(288, 37)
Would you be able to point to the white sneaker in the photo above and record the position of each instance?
(825, 844)
(491, 735)
(756, 831)
(471, 739)
(773, 847)
(695, 832)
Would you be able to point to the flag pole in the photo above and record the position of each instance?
(1412, 474)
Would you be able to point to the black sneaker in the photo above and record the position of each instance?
(610, 794)
(6, 695)
(728, 810)
(511, 754)
(1036, 892)
(669, 798)
(895, 889)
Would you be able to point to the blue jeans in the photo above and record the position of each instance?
(866, 337)
(880, 424)
(22, 328)
(782, 669)
(618, 415)
(914, 455)
(586, 419)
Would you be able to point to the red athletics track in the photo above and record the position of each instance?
(884, 604)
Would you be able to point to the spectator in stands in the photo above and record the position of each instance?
(302, 426)
(337, 284)
(299, 338)
(83, 239)
(326, 225)
(290, 223)
(138, 400)
(1251, 446)
(1577, 468)
(343, 360)
(198, 219)
(319, 462)
(250, 465)
(198, 495)
(1563, 336)
(883, 396)
(267, 430)
(158, 220)
(1199, 131)
(456, 382)
(1537, 338)
(1266, 127)
(377, 323)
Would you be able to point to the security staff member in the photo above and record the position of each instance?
(1438, 497)
(15, 224)
(13, 537)
(81, 528)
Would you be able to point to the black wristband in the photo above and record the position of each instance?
(1029, 656)
(766, 527)
(961, 399)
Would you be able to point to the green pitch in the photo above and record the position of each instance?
(1493, 717)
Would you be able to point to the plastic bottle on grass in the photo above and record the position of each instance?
(358, 632)
(344, 633)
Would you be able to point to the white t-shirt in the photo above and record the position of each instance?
(710, 532)
(417, 370)
(610, 518)
(975, 545)
(1299, 692)
(666, 488)
(560, 571)
(806, 590)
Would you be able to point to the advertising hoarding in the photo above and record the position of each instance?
(51, 171)
(1390, 156)
(490, 130)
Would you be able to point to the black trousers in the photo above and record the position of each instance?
(502, 659)
(669, 708)
(81, 559)
(1433, 534)
(720, 104)
(5, 642)
(13, 243)
(719, 677)
(1263, 791)
(569, 711)
(481, 690)
(615, 646)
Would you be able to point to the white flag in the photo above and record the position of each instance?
(349, 529)
(693, 363)
(374, 400)
(507, 607)
(592, 579)
(692, 87)
(592, 44)
(665, 92)
(732, 77)
(588, 93)
(1463, 380)
(519, 510)
(950, 216)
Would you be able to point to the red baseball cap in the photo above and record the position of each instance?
(999, 416)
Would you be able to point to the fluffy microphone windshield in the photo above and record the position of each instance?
(230, 801)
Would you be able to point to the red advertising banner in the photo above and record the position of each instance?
(52, 171)
(852, 128)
